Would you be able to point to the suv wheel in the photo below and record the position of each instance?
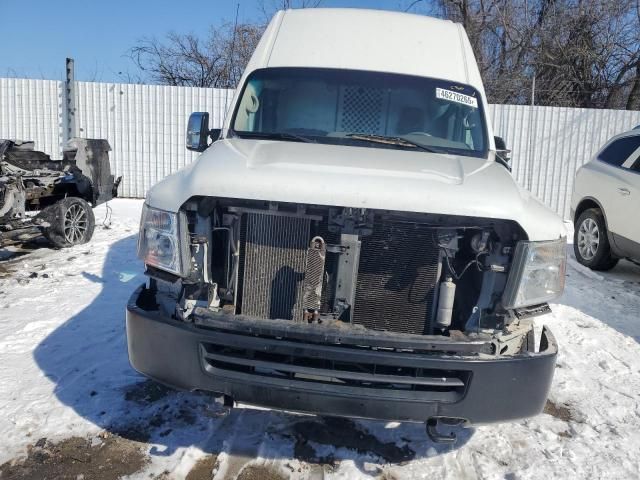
(590, 241)
(71, 222)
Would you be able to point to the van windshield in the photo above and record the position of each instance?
(361, 108)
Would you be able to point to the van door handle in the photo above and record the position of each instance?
(624, 191)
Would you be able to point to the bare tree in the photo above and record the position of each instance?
(217, 60)
(583, 53)
(269, 7)
(188, 60)
(587, 53)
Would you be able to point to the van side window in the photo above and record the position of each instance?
(618, 152)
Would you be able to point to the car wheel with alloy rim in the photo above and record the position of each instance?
(590, 241)
(71, 222)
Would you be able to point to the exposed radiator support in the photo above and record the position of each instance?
(347, 274)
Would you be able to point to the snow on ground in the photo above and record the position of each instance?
(65, 373)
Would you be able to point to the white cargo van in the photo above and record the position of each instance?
(350, 243)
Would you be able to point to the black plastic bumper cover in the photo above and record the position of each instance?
(477, 388)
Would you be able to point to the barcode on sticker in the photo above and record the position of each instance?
(456, 97)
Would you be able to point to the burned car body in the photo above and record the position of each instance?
(30, 181)
(350, 244)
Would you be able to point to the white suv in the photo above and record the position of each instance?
(604, 205)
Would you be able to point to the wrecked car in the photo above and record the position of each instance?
(54, 198)
(349, 244)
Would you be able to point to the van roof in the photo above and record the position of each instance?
(374, 40)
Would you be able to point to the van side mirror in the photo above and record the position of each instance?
(501, 145)
(501, 148)
(198, 132)
(502, 153)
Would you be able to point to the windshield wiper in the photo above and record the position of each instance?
(275, 136)
(400, 141)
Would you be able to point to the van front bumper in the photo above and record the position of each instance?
(296, 367)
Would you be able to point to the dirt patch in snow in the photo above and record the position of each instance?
(260, 472)
(561, 412)
(136, 432)
(5, 271)
(203, 468)
(159, 410)
(342, 432)
(105, 457)
(146, 392)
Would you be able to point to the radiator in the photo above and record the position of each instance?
(397, 278)
(274, 255)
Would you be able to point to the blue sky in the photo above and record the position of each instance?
(36, 36)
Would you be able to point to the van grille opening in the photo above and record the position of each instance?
(397, 274)
(329, 366)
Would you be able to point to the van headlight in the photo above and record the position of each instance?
(159, 242)
(537, 273)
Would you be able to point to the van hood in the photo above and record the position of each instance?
(360, 177)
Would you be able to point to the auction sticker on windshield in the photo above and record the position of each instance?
(456, 97)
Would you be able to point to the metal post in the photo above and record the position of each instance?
(533, 91)
(531, 150)
(70, 101)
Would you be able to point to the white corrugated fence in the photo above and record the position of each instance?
(549, 144)
(31, 110)
(145, 125)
